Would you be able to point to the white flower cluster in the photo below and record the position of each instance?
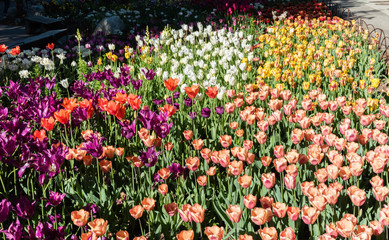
(201, 55)
(27, 58)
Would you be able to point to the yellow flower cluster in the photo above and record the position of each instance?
(308, 54)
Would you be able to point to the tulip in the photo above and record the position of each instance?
(214, 232)
(171, 208)
(279, 209)
(122, 235)
(268, 233)
(196, 213)
(148, 204)
(309, 214)
(98, 226)
(357, 196)
(185, 235)
(202, 180)
(377, 227)
(184, 213)
(288, 234)
(245, 181)
(234, 212)
(268, 180)
(266, 202)
(137, 211)
(250, 201)
(163, 189)
(345, 227)
(293, 213)
(80, 218)
(261, 216)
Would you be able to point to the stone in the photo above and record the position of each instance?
(110, 25)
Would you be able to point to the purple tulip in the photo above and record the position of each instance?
(4, 209)
(176, 95)
(136, 84)
(55, 199)
(14, 231)
(150, 157)
(156, 102)
(205, 112)
(24, 208)
(146, 117)
(93, 146)
(128, 130)
(148, 73)
(219, 110)
(189, 102)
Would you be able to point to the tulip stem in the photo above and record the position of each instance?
(236, 230)
(311, 232)
(141, 229)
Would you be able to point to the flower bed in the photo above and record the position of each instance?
(253, 129)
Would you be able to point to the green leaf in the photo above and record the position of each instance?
(222, 213)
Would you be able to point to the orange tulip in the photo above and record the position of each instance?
(196, 213)
(105, 166)
(225, 140)
(164, 173)
(171, 208)
(15, 51)
(309, 214)
(245, 237)
(184, 213)
(234, 213)
(98, 226)
(50, 46)
(137, 211)
(140, 238)
(236, 167)
(268, 233)
(185, 235)
(202, 180)
(40, 135)
(250, 201)
(266, 202)
(3, 48)
(319, 202)
(69, 104)
(80, 218)
(293, 213)
(279, 209)
(211, 171)
(148, 204)
(188, 134)
(288, 234)
(268, 180)
(345, 227)
(211, 92)
(192, 163)
(171, 84)
(62, 116)
(192, 91)
(261, 216)
(245, 181)
(198, 144)
(122, 235)
(163, 189)
(88, 236)
(214, 232)
(48, 123)
(377, 227)
(357, 195)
